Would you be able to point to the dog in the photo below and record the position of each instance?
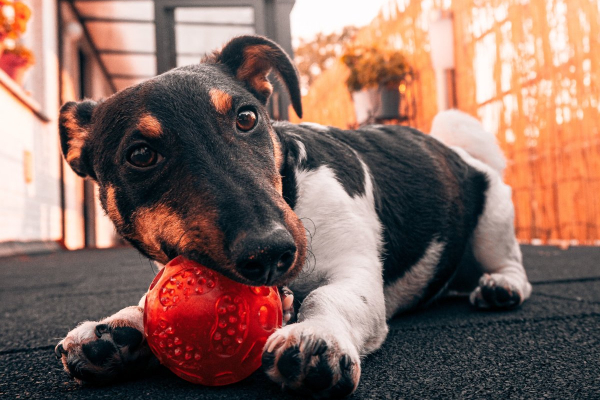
(360, 225)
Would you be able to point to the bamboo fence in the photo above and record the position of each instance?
(530, 70)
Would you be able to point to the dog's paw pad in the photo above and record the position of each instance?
(312, 363)
(98, 352)
(103, 352)
(126, 336)
(494, 293)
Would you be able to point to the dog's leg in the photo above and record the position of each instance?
(504, 283)
(342, 316)
(115, 348)
(107, 350)
(337, 324)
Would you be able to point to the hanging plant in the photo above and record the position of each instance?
(14, 16)
(373, 66)
(375, 76)
(14, 58)
(16, 61)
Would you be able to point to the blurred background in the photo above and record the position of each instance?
(529, 69)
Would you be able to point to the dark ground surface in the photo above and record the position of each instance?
(549, 348)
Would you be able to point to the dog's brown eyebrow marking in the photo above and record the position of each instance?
(278, 161)
(220, 100)
(149, 126)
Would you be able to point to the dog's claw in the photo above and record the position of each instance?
(320, 347)
(275, 344)
(101, 329)
(59, 350)
(345, 361)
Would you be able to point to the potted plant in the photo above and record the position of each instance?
(375, 75)
(13, 22)
(16, 61)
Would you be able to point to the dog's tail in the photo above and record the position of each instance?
(455, 128)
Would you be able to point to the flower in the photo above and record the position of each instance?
(23, 53)
(22, 15)
(13, 18)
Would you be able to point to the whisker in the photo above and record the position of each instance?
(150, 263)
(310, 267)
(311, 234)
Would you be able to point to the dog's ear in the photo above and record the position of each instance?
(251, 58)
(74, 127)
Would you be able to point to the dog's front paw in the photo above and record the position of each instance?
(106, 351)
(496, 292)
(309, 359)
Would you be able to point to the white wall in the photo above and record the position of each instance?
(31, 211)
(28, 211)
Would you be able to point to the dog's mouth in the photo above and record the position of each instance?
(230, 271)
(252, 273)
(170, 252)
(255, 257)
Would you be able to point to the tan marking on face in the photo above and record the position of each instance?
(149, 126)
(111, 207)
(221, 101)
(156, 225)
(256, 67)
(160, 224)
(278, 161)
(77, 135)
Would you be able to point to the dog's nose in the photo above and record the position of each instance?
(263, 259)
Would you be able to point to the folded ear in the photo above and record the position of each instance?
(251, 58)
(74, 127)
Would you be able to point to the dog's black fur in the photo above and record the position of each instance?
(440, 197)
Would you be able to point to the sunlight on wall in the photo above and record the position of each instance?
(530, 70)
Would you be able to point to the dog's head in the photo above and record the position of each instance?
(188, 163)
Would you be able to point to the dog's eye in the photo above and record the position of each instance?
(142, 156)
(246, 120)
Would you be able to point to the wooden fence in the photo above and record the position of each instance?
(530, 70)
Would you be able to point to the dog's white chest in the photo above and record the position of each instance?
(343, 231)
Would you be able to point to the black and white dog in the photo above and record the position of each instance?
(360, 224)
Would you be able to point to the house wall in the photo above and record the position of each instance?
(30, 158)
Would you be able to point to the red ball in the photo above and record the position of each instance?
(205, 327)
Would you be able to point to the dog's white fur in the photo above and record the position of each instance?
(494, 243)
(343, 282)
(132, 316)
(459, 130)
(408, 290)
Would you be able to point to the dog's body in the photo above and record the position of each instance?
(359, 224)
